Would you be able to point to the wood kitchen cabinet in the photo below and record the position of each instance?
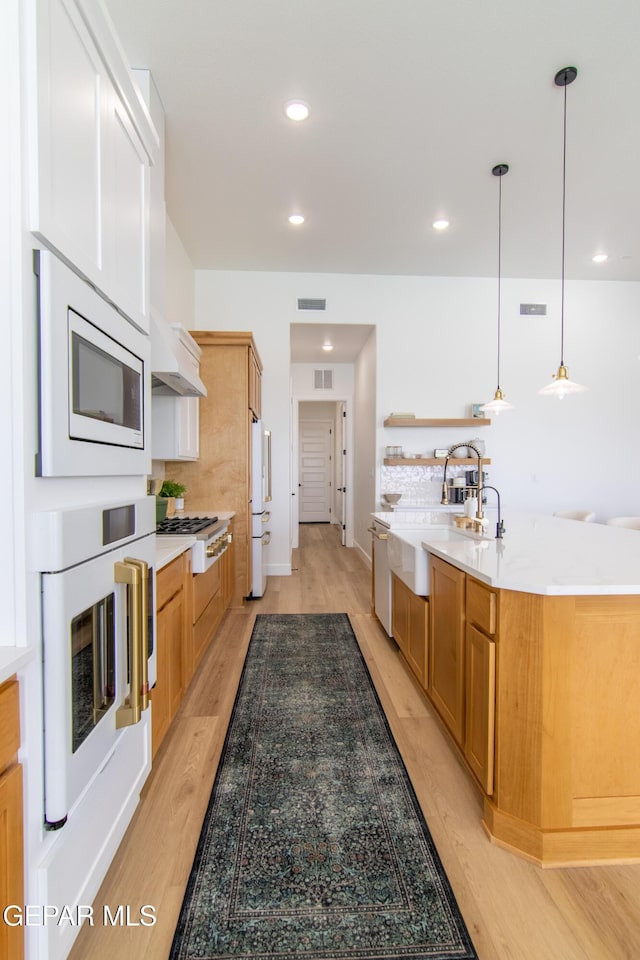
(11, 826)
(230, 368)
(91, 146)
(447, 649)
(462, 671)
(410, 627)
(173, 646)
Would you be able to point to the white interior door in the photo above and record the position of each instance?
(314, 471)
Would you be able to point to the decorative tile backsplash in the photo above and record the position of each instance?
(418, 485)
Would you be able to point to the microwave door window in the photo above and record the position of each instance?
(93, 653)
(103, 387)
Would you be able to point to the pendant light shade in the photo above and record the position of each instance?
(561, 385)
(498, 404)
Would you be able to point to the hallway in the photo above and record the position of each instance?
(513, 910)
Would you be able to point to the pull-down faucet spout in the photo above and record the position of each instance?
(445, 497)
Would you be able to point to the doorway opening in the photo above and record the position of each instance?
(321, 465)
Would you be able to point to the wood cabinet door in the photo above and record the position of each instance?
(417, 650)
(446, 648)
(174, 635)
(255, 386)
(400, 613)
(480, 705)
(11, 858)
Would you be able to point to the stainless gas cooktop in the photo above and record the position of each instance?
(185, 526)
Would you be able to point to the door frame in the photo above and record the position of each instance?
(294, 455)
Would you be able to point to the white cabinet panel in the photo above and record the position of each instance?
(175, 428)
(66, 160)
(88, 166)
(127, 218)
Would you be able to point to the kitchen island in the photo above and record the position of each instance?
(534, 668)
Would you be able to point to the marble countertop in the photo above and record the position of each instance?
(169, 547)
(539, 554)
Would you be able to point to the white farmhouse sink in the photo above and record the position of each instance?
(409, 560)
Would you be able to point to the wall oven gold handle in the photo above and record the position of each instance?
(129, 573)
(143, 567)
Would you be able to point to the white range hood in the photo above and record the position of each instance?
(175, 361)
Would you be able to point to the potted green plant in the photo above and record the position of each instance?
(173, 491)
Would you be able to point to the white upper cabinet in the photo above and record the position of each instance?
(175, 428)
(91, 144)
(126, 232)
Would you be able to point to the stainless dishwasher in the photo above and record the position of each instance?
(381, 573)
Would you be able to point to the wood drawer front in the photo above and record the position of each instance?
(9, 723)
(205, 587)
(169, 581)
(482, 606)
(206, 626)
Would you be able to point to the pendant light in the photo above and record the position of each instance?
(561, 385)
(498, 404)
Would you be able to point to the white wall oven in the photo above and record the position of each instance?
(99, 659)
(94, 380)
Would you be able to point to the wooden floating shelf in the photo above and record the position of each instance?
(415, 422)
(432, 461)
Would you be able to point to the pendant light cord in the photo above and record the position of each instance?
(564, 181)
(499, 265)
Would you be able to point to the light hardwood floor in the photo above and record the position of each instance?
(514, 910)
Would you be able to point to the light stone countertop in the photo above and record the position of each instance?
(169, 547)
(547, 555)
(539, 554)
(14, 658)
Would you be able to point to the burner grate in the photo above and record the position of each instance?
(184, 524)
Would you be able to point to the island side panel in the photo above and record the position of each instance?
(606, 709)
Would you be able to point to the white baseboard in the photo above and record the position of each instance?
(278, 569)
(363, 555)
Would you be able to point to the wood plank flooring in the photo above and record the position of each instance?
(514, 910)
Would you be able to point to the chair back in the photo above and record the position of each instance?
(633, 523)
(588, 516)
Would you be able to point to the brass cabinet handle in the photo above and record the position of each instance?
(378, 536)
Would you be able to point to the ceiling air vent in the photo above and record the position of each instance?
(307, 303)
(533, 309)
(323, 379)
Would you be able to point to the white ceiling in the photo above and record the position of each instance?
(347, 340)
(412, 103)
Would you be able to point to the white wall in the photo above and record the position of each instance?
(435, 354)
(364, 470)
(180, 292)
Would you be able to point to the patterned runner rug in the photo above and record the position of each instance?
(313, 845)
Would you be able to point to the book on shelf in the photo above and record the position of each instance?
(402, 416)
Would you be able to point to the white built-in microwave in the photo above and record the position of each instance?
(95, 380)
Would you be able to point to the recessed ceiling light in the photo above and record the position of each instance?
(600, 257)
(440, 224)
(296, 110)
(327, 346)
(296, 219)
